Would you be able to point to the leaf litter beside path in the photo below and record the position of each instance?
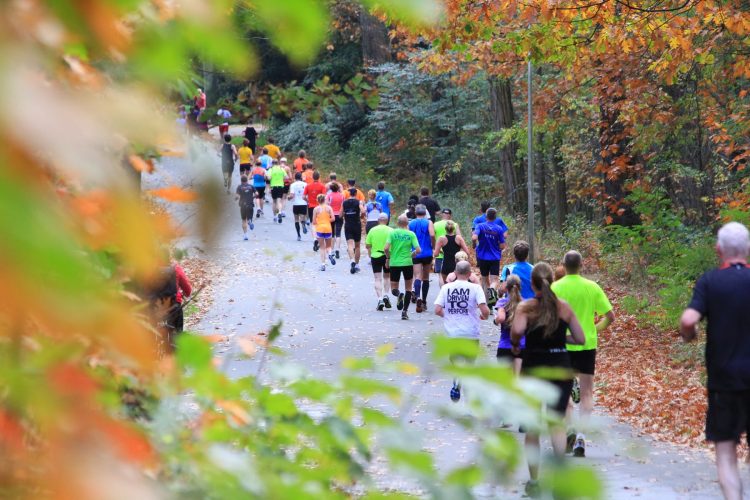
(642, 380)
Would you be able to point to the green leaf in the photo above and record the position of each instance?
(275, 331)
(193, 351)
(465, 476)
(445, 347)
(297, 27)
(369, 387)
(278, 404)
(415, 461)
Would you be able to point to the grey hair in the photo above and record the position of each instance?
(733, 240)
(463, 268)
(420, 209)
(403, 220)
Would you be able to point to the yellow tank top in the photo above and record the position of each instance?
(323, 222)
(245, 155)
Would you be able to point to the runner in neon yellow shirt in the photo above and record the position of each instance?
(276, 175)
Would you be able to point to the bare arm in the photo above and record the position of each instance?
(689, 320)
(518, 329)
(462, 243)
(607, 320)
(431, 229)
(484, 311)
(439, 246)
(499, 316)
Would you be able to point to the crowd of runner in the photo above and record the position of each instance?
(548, 318)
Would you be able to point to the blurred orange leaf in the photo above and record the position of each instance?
(140, 164)
(174, 193)
(247, 346)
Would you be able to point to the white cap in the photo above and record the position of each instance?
(283, 160)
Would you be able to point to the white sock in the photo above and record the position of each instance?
(580, 436)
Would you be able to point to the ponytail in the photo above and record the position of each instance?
(547, 317)
(513, 286)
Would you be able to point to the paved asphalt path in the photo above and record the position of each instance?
(331, 315)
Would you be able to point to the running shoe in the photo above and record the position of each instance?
(491, 297)
(279, 218)
(456, 392)
(420, 304)
(356, 268)
(299, 238)
(532, 489)
(413, 297)
(304, 227)
(570, 442)
(245, 237)
(381, 305)
(579, 448)
(257, 213)
(338, 255)
(404, 315)
(387, 302)
(353, 270)
(575, 393)
(330, 257)
(316, 245)
(282, 214)
(400, 302)
(323, 267)
(261, 212)
(252, 226)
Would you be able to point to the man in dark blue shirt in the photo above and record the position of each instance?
(489, 240)
(479, 219)
(722, 296)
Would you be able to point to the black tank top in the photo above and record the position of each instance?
(548, 350)
(450, 250)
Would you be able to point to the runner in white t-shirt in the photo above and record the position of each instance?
(299, 204)
(462, 305)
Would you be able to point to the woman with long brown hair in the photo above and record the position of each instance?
(547, 324)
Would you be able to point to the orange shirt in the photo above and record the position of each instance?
(307, 176)
(299, 164)
(322, 221)
(312, 191)
(360, 195)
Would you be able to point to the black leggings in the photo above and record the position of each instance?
(338, 224)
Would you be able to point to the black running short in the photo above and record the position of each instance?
(426, 261)
(338, 224)
(353, 233)
(489, 267)
(277, 192)
(227, 169)
(583, 361)
(728, 415)
(286, 188)
(245, 168)
(260, 192)
(397, 271)
(379, 264)
(299, 209)
(246, 212)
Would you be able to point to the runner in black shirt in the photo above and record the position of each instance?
(432, 206)
(722, 296)
(352, 211)
(245, 196)
(251, 135)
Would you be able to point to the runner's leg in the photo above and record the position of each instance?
(729, 474)
(425, 282)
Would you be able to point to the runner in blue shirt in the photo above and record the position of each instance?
(489, 241)
(384, 198)
(520, 268)
(479, 219)
(425, 231)
(265, 159)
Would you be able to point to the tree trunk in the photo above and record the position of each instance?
(561, 191)
(376, 45)
(501, 111)
(542, 180)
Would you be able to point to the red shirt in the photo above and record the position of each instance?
(183, 284)
(299, 163)
(200, 100)
(335, 200)
(312, 191)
